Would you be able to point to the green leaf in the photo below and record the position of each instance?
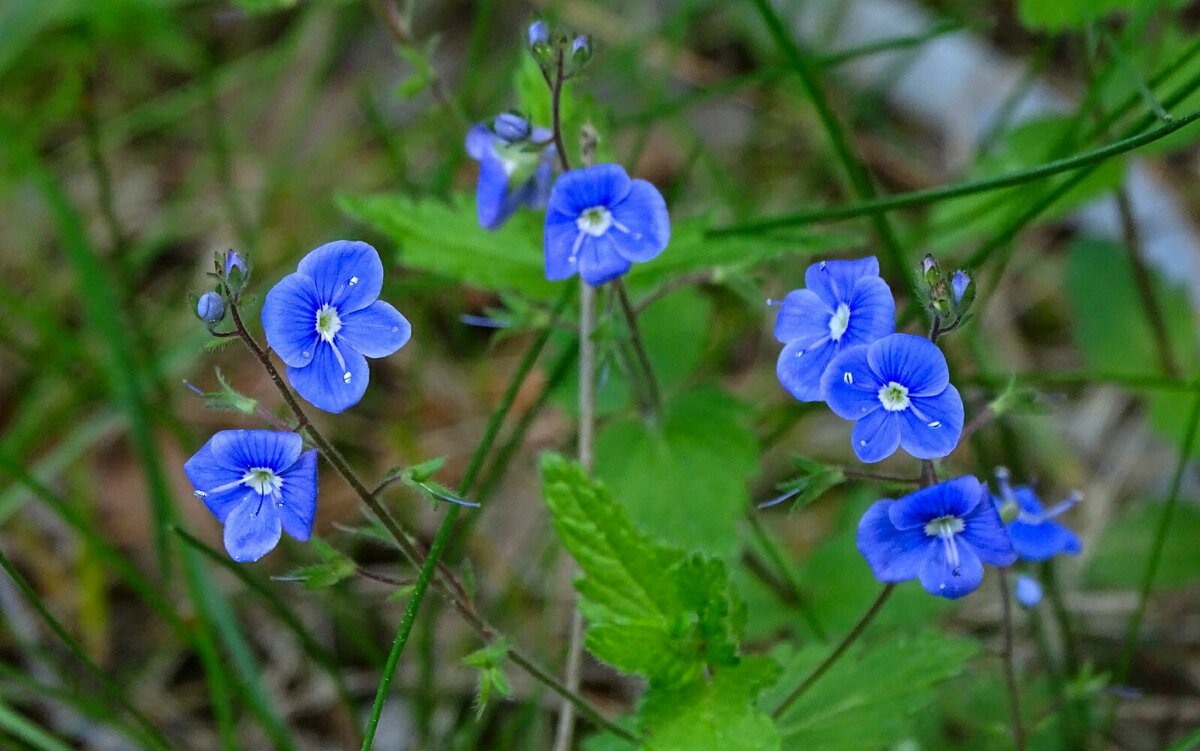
(333, 568)
(684, 484)
(867, 699)
(264, 6)
(228, 398)
(814, 480)
(718, 714)
(650, 609)
(1058, 15)
(446, 239)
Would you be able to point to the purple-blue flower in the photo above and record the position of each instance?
(325, 320)
(1028, 591)
(844, 304)
(516, 166)
(958, 285)
(538, 33)
(941, 535)
(234, 261)
(898, 392)
(259, 484)
(1035, 534)
(599, 222)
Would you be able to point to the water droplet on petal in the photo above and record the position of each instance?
(353, 280)
(823, 265)
(306, 354)
(848, 377)
(862, 443)
(199, 493)
(800, 353)
(346, 376)
(395, 329)
(935, 424)
(278, 504)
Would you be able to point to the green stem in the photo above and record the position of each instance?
(1156, 553)
(837, 652)
(859, 178)
(653, 394)
(919, 197)
(1010, 673)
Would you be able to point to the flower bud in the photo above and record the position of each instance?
(581, 49)
(234, 261)
(511, 128)
(210, 308)
(930, 270)
(1028, 591)
(539, 33)
(959, 283)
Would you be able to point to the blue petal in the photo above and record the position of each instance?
(876, 436)
(850, 386)
(599, 262)
(800, 369)
(642, 212)
(872, 312)
(323, 383)
(275, 450)
(377, 330)
(348, 274)
(931, 426)
(289, 318)
(493, 203)
(1028, 500)
(803, 316)
(299, 495)
(206, 471)
(957, 498)
(252, 528)
(834, 281)
(579, 190)
(543, 180)
(479, 141)
(912, 361)
(895, 555)
(986, 533)
(1041, 542)
(561, 233)
(939, 578)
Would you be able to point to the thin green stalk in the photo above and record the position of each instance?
(838, 651)
(1009, 668)
(22, 727)
(152, 734)
(491, 432)
(931, 195)
(1155, 559)
(859, 177)
(650, 382)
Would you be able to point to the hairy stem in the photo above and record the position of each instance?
(1010, 675)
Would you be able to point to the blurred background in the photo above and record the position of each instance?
(140, 137)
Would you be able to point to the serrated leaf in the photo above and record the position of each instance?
(717, 714)
(684, 484)
(868, 698)
(650, 609)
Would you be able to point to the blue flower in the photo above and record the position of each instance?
(599, 222)
(941, 535)
(538, 33)
(958, 285)
(325, 320)
(898, 392)
(234, 261)
(515, 168)
(1035, 534)
(1028, 591)
(259, 484)
(844, 304)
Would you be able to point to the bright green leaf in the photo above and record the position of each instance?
(716, 714)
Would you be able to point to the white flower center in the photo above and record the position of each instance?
(894, 397)
(263, 480)
(839, 322)
(946, 527)
(594, 221)
(328, 322)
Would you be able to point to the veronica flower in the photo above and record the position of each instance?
(941, 535)
(1035, 534)
(259, 484)
(898, 392)
(599, 222)
(844, 304)
(325, 320)
(516, 166)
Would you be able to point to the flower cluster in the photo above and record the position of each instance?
(840, 348)
(516, 166)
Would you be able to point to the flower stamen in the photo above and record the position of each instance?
(894, 397)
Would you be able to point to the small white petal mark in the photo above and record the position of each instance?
(862, 443)
(935, 424)
(839, 322)
(848, 378)
(199, 493)
(800, 353)
(353, 280)
(346, 376)
(823, 265)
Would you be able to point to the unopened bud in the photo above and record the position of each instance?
(539, 33)
(210, 308)
(511, 127)
(930, 269)
(581, 49)
(234, 261)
